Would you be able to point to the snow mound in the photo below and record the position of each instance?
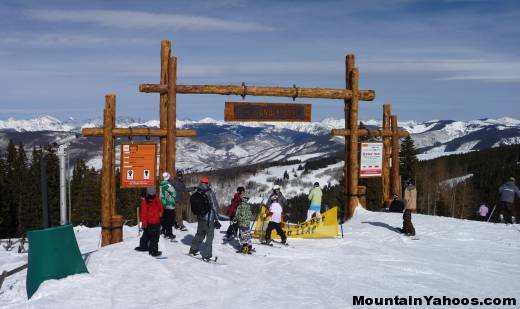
(453, 258)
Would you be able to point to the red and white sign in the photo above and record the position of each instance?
(138, 165)
(371, 160)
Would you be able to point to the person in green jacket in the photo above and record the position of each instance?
(315, 198)
(243, 218)
(167, 195)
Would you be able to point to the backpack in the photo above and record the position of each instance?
(200, 204)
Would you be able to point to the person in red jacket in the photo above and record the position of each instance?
(150, 212)
(231, 212)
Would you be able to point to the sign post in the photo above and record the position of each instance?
(371, 160)
(138, 165)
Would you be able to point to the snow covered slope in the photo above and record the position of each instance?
(453, 258)
(221, 144)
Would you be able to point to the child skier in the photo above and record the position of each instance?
(243, 218)
(275, 212)
(150, 213)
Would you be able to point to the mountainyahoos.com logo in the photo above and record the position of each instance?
(432, 301)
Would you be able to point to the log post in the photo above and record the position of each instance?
(396, 184)
(117, 229)
(354, 159)
(349, 66)
(163, 103)
(362, 194)
(113, 169)
(172, 116)
(386, 156)
(106, 194)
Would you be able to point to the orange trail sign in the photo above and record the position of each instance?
(138, 165)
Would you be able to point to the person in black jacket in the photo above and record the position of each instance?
(180, 188)
(396, 205)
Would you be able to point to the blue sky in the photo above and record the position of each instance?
(451, 59)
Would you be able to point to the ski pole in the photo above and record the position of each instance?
(491, 213)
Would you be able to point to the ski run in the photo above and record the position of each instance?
(452, 258)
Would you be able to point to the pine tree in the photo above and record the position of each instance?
(407, 158)
(4, 205)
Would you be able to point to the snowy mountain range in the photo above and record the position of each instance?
(222, 144)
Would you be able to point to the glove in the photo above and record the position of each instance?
(217, 224)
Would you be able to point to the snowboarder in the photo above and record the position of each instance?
(315, 199)
(180, 188)
(410, 198)
(150, 212)
(482, 212)
(232, 209)
(281, 199)
(204, 204)
(275, 212)
(167, 194)
(243, 218)
(507, 197)
(396, 205)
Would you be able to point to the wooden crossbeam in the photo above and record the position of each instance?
(289, 92)
(89, 132)
(369, 132)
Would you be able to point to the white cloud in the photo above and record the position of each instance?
(134, 19)
(53, 39)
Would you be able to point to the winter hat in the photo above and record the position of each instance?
(179, 173)
(276, 187)
(204, 180)
(150, 190)
(316, 184)
(512, 179)
(241, 189)
(166, 176)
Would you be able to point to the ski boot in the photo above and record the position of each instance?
(156, 253)
(502, 219)
(244, 249)
(182, 228)
(513, 220)
(250, 249)
(193, 253)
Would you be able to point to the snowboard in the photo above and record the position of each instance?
(213, 260)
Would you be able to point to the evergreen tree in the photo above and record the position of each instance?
(407, 158)
(4, 205)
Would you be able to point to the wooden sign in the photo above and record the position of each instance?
(371, 160)
(247, 111)
(138, 165)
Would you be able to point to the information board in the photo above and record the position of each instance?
(371, 160)
(138, 165)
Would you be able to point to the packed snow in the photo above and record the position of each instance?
(453, 258)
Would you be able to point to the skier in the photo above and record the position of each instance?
(482, 212)
(315, 199)
(243, 218)
(275, 212)
(507, 197)
(410, 197)
(180, 188)
(150, 212)
(232, 209)
(396, 205)
(207, 219)
(167, 194)
(281, 199)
